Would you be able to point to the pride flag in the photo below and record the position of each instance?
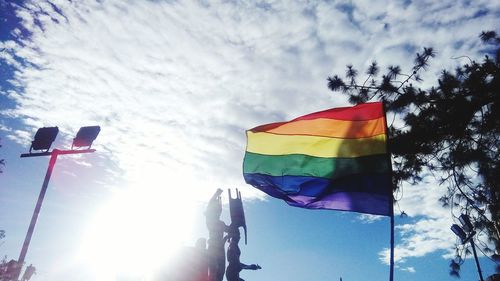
(333, 159)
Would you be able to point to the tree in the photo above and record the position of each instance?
(451, 131)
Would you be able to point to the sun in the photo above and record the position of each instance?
(136, 233)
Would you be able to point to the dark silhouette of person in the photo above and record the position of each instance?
(3, 268)
(28, 273)
(11, 270)
(216, 240)
(192, 264)
(189, 264)
(233, 257)
(200, 260)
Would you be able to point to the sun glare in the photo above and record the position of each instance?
(137, 233)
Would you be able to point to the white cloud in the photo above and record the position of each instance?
(367, 218)
(409, 269)
(174, 85)
(429, 229)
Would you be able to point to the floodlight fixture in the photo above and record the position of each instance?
(468, 227)
(85, 136)
(466, 224)
(459, 232)
(44, 138)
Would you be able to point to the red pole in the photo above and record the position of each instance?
(31, 228)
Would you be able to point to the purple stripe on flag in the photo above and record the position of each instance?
(364, 193)
(361, 202)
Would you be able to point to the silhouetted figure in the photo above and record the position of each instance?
(216, 239)
(28, 273)
(233, 252)
(188, 264)
(233, 257)
(3, 267)
(200, 261)
(10, 270)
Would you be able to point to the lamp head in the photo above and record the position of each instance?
(466, 224)
(459, 232)
(44, 138)
(85, 136)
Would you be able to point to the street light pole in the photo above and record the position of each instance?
(38, 206)
(53, 158)
(476, 259)
(467, 237)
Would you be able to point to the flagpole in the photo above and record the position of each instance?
(391, 276)
(391, 212)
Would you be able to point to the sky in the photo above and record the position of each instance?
(174, 85)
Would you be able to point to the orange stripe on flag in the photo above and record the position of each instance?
(331, 128)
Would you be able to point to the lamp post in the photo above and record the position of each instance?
(466, 234)
(43, 140)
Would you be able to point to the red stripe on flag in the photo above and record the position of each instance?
(360, 112)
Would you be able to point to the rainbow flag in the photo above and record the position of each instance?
(333, 159)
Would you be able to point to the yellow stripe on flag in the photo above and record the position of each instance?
(272, 144)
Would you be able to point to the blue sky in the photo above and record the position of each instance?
(174, 85)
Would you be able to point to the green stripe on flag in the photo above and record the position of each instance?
(304, 165)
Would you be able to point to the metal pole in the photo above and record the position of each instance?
(475, 258)
(391, 275)
(391, 197)
(24, 250)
